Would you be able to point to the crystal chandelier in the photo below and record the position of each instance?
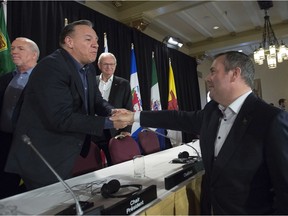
(270, 47)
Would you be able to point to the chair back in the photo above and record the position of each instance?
(149, 142)
(123, 148)
(91, 163)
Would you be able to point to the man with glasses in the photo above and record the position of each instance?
(117, 92)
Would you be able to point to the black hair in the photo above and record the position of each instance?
(234, 59)
(69, 29)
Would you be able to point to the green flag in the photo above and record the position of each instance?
(6, 63)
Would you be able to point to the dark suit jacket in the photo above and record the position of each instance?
(4, 82)
(53, 115)
(4, 137)
(250, 174)
(119, 97)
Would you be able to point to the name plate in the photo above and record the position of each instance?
(188, 171)
(133, 203)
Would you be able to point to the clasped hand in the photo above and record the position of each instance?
(121, 118)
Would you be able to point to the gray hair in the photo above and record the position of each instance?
(32, 45)
(105, 54)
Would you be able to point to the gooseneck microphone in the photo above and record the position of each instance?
(160, 134)
(27, 140)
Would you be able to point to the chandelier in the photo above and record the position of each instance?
(270, 47)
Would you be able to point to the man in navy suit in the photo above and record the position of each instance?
(61, 100)
(243, 140)
(25, 54)
(117, 92)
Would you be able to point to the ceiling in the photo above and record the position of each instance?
(240, 22)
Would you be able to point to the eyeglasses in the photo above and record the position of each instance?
(108, 65)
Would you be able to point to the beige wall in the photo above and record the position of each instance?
(274, 82)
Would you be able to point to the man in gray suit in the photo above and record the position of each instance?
(117, 92)
(243, 141)
(25, 54)
(61, 100)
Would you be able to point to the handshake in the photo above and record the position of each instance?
(121, 118)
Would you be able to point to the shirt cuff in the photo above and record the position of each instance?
(137, 117)
(108, 124)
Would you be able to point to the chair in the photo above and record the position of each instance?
(91, 163)
(123, 148)
(149, 142)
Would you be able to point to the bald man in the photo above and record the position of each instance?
(25, 54)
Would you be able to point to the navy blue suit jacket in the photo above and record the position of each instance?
(53, 115)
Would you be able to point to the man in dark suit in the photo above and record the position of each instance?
(243, 140)
(25, 54)
(117, 92)
(59, 107)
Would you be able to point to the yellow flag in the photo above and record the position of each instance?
(172, 96)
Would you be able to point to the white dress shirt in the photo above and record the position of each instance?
(105, 87)
(229, 115)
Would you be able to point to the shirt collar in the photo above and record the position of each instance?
(75, 62)
(26, 72)
(109, 80)
(236, 105)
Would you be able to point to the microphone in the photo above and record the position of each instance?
(194, 140)
(79, 210)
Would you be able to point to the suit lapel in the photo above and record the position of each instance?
(91, 89)
(209, 138)
(75, 75)
(233, 140)
(114, 89)
(98, 80)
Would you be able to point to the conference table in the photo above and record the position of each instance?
(183, 198)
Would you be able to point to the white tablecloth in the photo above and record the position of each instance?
(53, 198)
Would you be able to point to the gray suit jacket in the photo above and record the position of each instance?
(250, 174)
(53, 115)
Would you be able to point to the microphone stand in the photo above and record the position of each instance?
(27, 140)
(160, 134)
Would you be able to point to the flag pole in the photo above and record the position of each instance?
(65, 21)
(105, 43)
(4, 5)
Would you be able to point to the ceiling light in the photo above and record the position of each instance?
(173, 42)
(270, 47)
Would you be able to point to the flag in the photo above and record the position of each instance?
(135, 91)
(105, 43)
(6, 63)
(172, 96)
(155, 102)
(176, 136)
